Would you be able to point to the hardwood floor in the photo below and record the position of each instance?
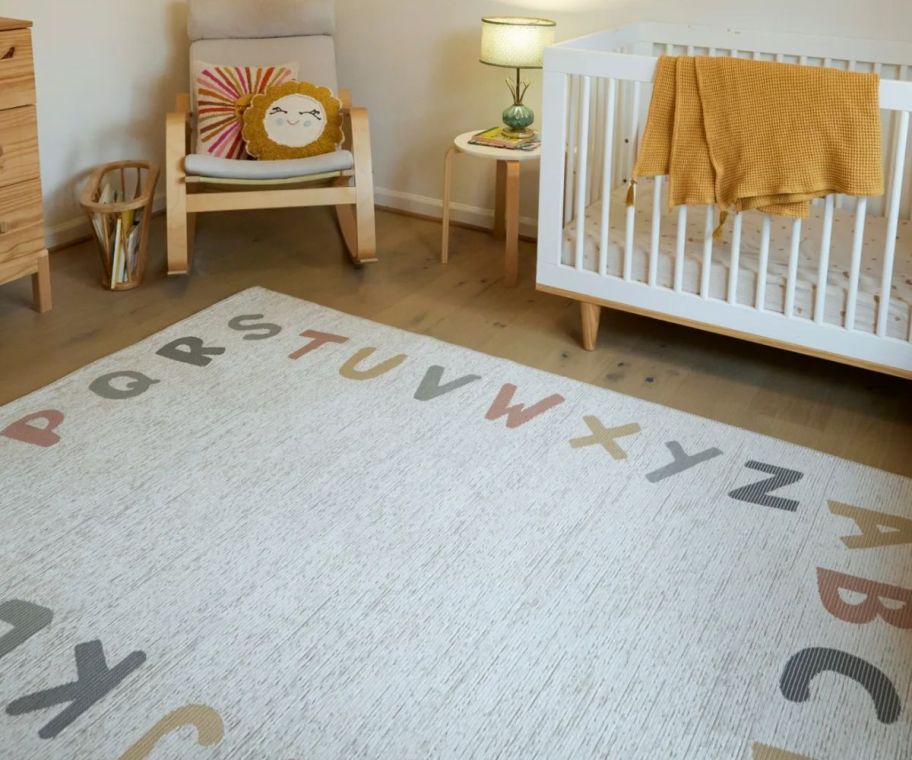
(851, 413)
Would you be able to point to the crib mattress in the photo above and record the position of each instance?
(900, 314)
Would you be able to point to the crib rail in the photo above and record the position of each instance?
(597, 91)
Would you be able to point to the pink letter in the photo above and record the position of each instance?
(518, 414)
(317, 339)
(45, 436)
(829, 583)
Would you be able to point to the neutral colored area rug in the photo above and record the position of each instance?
(278, 532)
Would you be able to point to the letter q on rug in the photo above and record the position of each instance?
(277, 531)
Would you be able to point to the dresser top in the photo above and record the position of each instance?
(6, 24)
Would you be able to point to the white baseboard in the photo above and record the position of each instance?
(78, 228)
(433, 207)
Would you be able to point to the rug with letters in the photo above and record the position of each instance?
(278, 532)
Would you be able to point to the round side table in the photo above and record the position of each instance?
(506, 211)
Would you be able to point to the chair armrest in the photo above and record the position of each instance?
(361, 147)
(177, 140)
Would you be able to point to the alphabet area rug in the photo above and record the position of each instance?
(276, 531)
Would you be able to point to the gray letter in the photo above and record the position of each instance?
(682, 462)
(809, 663)
(190, 351)
(431, 388)
(758, 493)
(26, 618)
(94, 680)
(137, 385)
(259, 331)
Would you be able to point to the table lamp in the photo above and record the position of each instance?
(516, 42)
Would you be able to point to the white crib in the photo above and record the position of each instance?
(838, 285)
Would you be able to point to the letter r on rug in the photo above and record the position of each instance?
(94, 679)
(24, 431)
(190, 351)
(518, 414)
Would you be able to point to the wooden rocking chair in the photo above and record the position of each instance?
(242, 33)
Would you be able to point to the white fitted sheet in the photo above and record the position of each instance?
(900, 315)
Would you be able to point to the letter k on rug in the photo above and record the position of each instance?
(275, 531)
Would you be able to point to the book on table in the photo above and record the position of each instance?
(495, 138)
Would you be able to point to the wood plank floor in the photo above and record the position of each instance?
(851, 413)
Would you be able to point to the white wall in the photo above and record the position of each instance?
(108, 70)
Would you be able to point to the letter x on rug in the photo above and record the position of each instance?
(277, 532)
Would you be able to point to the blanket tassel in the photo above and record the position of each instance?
(632, 194)
(723, 218)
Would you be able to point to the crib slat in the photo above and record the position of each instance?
(569, 185)
(735, 260)
(632, 141)
(792, 281)
(581, 168)
(899, 167)
(764, 263)
(656, 231)
(706, 270)
(679, 249)
(861, 213)
(598, 128)
(607, 178)
(823, 269)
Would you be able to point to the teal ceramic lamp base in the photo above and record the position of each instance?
(518, 119)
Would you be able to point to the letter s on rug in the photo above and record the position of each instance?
(210, 730)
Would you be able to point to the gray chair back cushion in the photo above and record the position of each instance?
(250, 19)
(315, 55)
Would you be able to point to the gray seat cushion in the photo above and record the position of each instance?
(200, 165)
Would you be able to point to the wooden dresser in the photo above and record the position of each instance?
(22, 247)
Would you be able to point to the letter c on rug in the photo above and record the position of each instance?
(210, 730)
(871, 607)
(137, 384)
(256, 331)
(809, 663)
(350, 368)
(190, 351)
(23, 430)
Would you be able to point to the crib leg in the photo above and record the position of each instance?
(591, 315)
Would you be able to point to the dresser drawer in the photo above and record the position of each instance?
(17, 73)
(21, 220)
(18, 146)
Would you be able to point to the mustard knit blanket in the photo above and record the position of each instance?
(746, 134)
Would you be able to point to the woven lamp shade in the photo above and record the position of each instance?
(515, 42)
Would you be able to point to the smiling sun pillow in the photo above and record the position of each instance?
(293, 120)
